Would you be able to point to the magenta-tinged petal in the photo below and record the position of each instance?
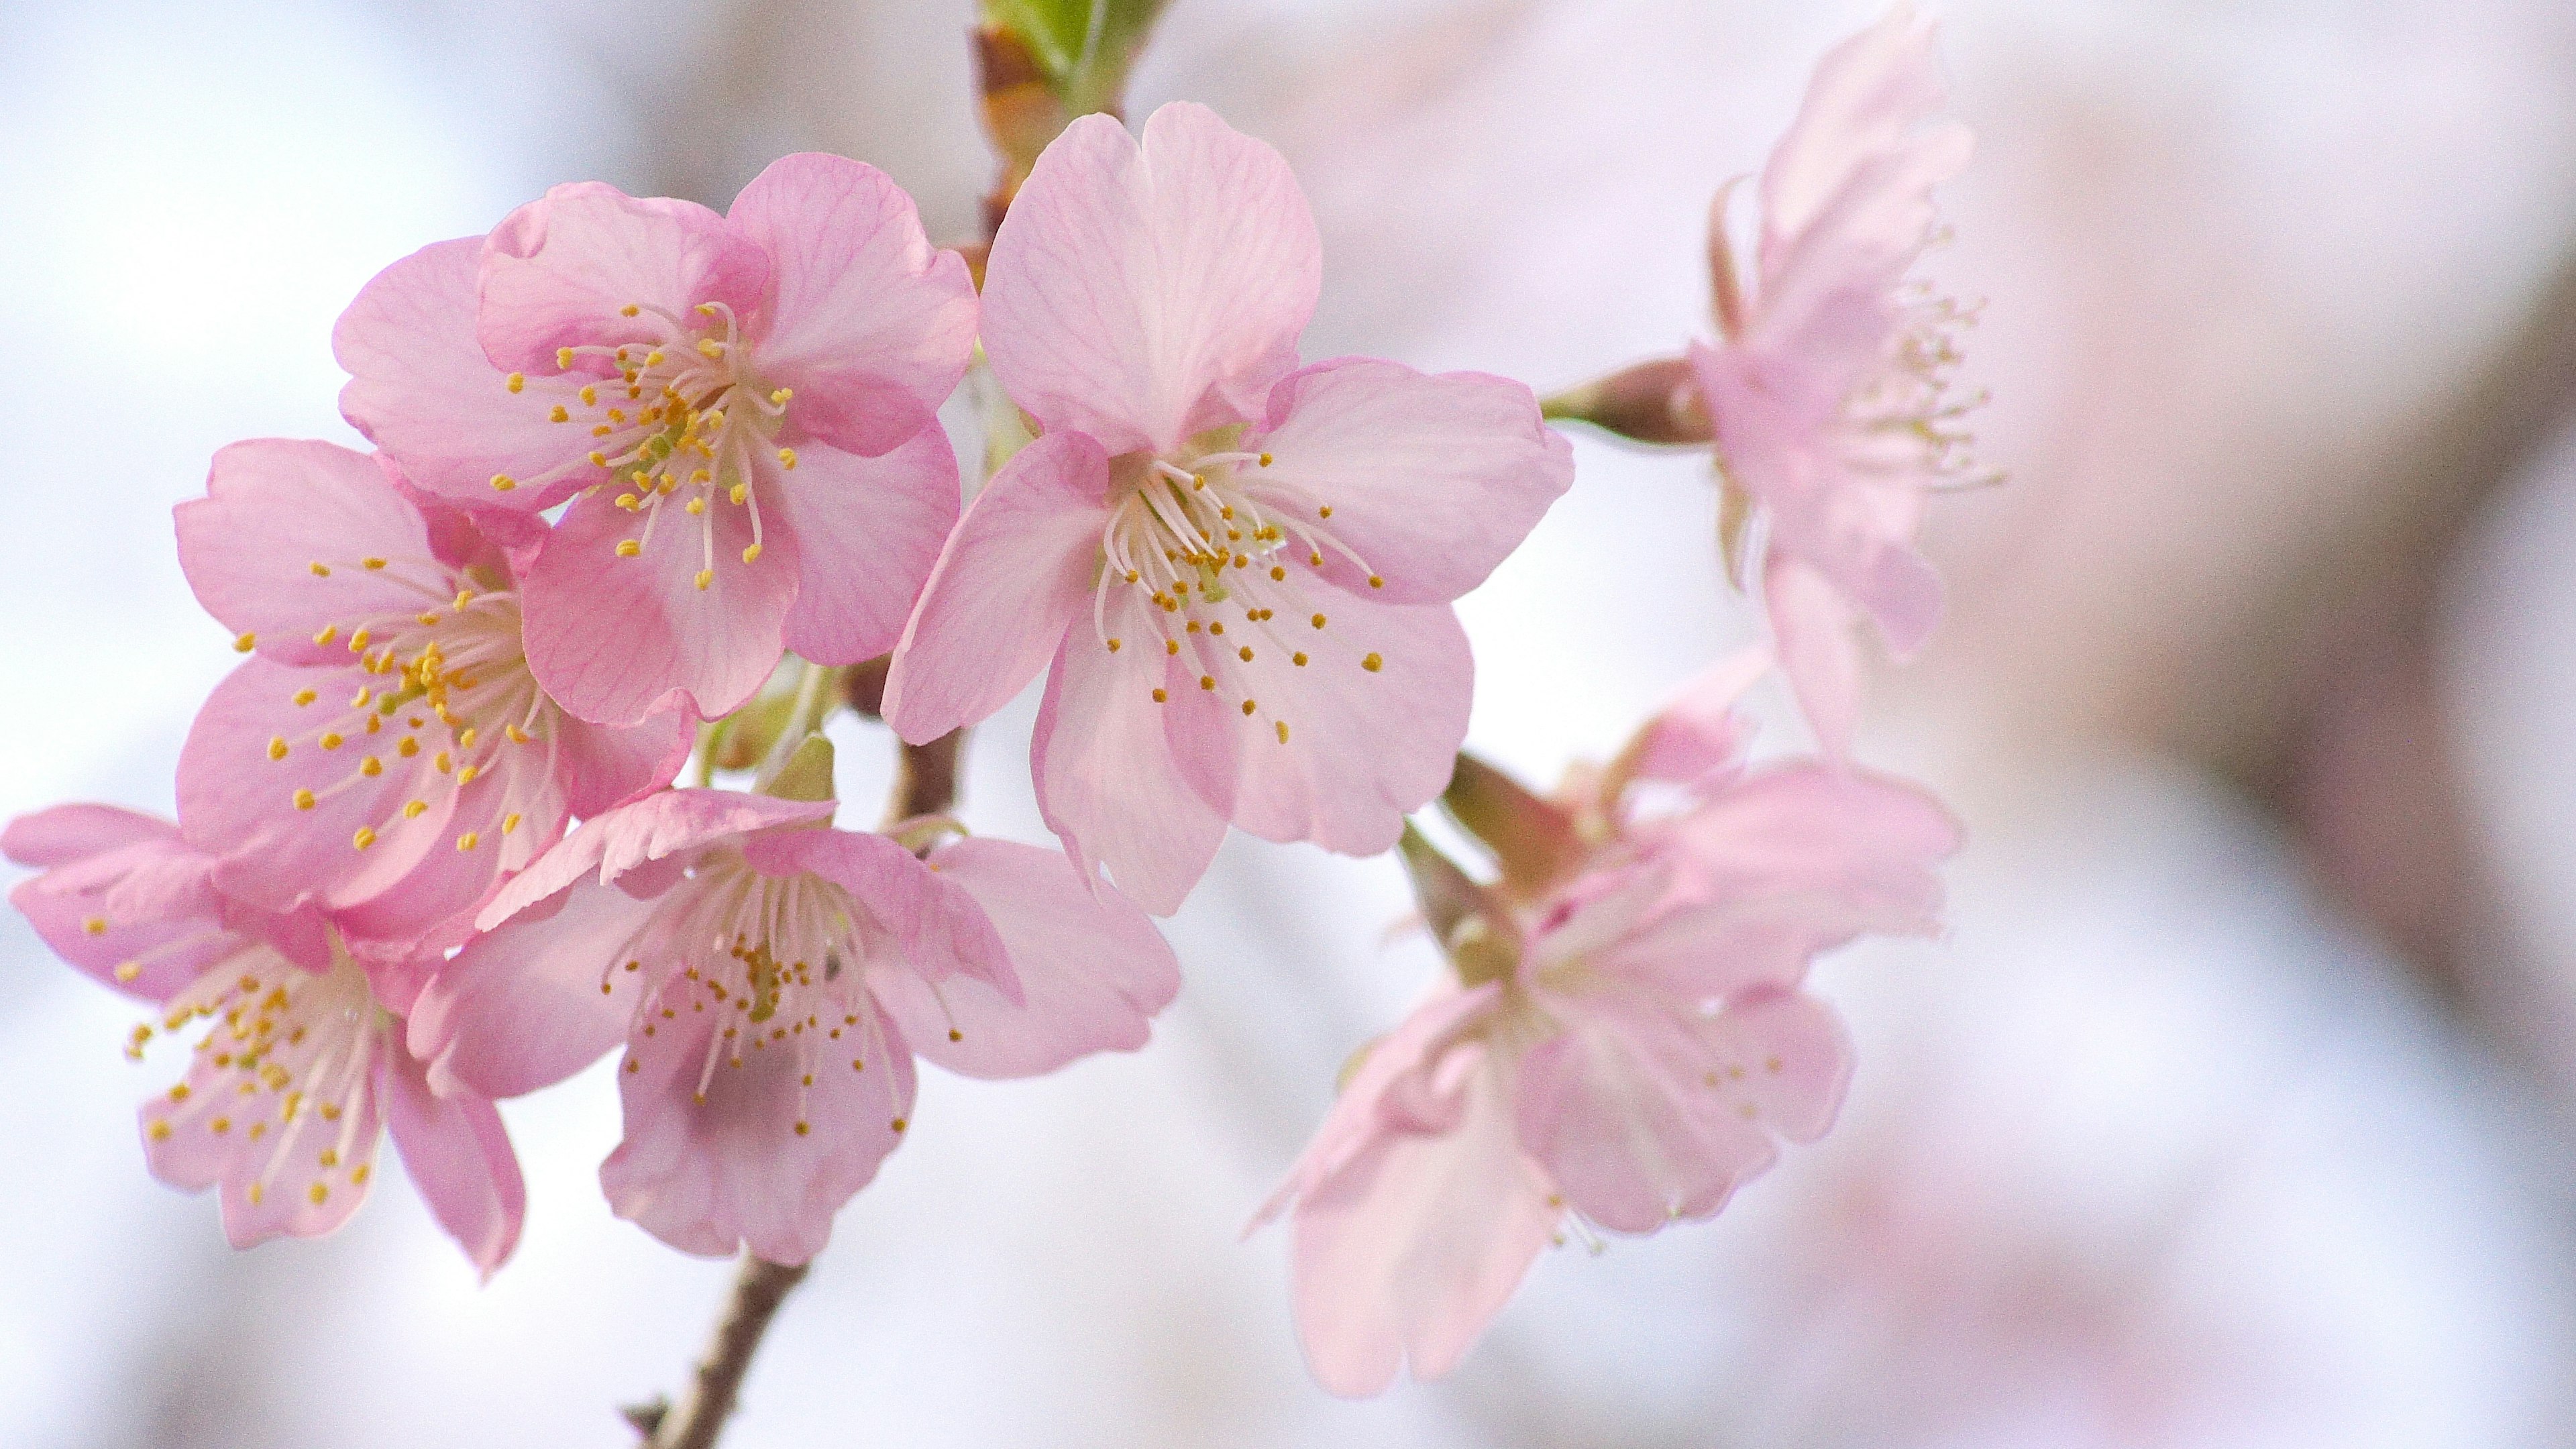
(867, 531)
(238, 793)
(66, 833)
(1108, 783)
(458, 1155)
(1404, 1255)
(1012, 577)
(615, 638)
(656, 828)
(604, 768)
(869, 324)
(294, 537)
(1861, 848)
(1786, 1055)
(522, 1006)
(1373, 705)
(497, 825)
(1145, 293)
(123, 899)
(421, 389)
(589, 265)
(1811, 626)
(1092, 970)
(710, 1171)
(1430, 479)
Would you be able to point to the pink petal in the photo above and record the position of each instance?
(521, 1007)
(238, 803)
(1861, 848)
(868, 323)
(475, 848)
(1811, 627)
(458, 1155)
(653, 829)
(942, 931)
(1858, 153)
(1409, 1251)
(279, 546)
(603, 768)
(123, 899)
(1431, 479)
(1623, 1107)
(1794, 1056)
(1700, 734)
(1109, 784)
(1012, 578)
(1091, 969)
(867, 531)
(614, 639)
(66, 833)
(730, 1170)
(1363, 746)
(1143, 294)
(562, 272)
(421, 389)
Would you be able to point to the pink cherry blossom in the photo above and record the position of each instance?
(772, 980)
(741, 407)
(302, 1066)
(1640, 1053)
(1829, 390)
(1237, 571)
(386, 753)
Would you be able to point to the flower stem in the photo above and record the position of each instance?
(757, 1291)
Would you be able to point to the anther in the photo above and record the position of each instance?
(1283, 731)
(1324, 512)
(1298, 659)
(1319, 621)
(330, 740)
(329, 633)
(787, 459)
(303, 799)
(1113, 646)
(244, 643)
(365, 837)
(705, 577)
(1248, 708)
(1375, 582)
(751, 554)
(628, 548)
(1160, 696)
(1372, 664)
(469, 840)
(503, 482)
(518, 380)
(277, 747)
(1207, 681)
(509, 822)
(1246, 652)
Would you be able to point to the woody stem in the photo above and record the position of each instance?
(758, 1289)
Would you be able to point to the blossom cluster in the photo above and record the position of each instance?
(635, 461)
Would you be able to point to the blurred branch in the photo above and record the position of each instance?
(757, 1291)
(1040, 64)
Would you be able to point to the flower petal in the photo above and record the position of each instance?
(712, 1172)
(1811, 626)
(604, 767)
(1405, 1254)
(1432, 479)
(292, 537)
(867, 532)
(1108, 780)
(1092, 970)
(1857, 849)
(615, 638)
(522, 1006)
(421, 389)
(458, 1155)
(1012, 578)
(656, 828)
(1373, 705)
(588, 265)
(943, 933)
(122, 898)
(868, 323)
(1145, 293)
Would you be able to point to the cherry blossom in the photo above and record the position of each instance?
(301, 1068)
(772, 980)
(741, 407)
(1237, 572)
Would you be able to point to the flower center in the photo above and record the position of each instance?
(1906, 418)
(678, 423)
(441, 694)
(779, 962)
(1208, 545)
(289, 1056)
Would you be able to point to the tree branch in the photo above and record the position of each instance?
(758, 1289)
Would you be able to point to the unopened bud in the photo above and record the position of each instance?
(807, 775)
(1653, 402)
(1534, 841)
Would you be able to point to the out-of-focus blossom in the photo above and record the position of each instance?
(772, 980)
(1625, 1036)
(302, 1066)
(1242, 570)
(1829, 390)
(387, 753)
(741, 407)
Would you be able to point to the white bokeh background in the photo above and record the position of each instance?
(2157, 1148)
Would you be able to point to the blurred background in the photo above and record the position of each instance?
(2237, 1109)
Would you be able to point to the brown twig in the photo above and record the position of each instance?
(757, 1291)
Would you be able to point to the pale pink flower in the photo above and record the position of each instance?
(1242, 570)
(1829, 390)
(772, 980)
(302, 1066)
(1631, 1046)
(741, 407)
(386, 752)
